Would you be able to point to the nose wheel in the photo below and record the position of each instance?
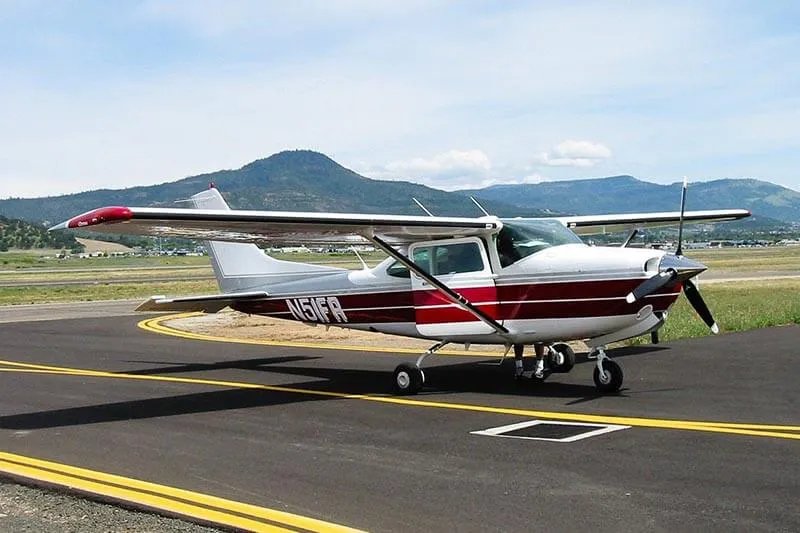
(607, 373)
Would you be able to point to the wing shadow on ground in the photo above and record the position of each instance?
(472, 376)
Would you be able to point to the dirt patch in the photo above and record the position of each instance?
(240, 326)
(92, 246)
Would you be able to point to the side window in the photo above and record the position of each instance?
(458, 258)
(398, 270)
(422, 258)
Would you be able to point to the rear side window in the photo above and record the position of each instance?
(444, 259)
(398, 270)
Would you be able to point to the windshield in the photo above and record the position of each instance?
(522, 237)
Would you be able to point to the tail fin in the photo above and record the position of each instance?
(245, 267)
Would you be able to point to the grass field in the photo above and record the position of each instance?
(737, 306)
(103, 291)
(739, 260)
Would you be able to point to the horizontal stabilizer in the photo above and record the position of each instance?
(206, 304)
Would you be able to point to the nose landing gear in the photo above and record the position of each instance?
(607, 373)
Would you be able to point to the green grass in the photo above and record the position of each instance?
(736, 306)
(103, 291)
(738, 260)
(34, 259)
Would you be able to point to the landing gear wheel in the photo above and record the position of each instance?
(568, 361)
(408, 379)
(611, 378)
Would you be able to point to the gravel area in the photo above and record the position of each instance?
(31, 509)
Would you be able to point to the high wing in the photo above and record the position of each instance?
(258, 226)
(264, 226)
(600, 224)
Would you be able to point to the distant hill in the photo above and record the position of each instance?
(24, 236)
(626, 194)
(303, 180)
(288, 181)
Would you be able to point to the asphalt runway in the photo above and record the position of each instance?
(713, 442)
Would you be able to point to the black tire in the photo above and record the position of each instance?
(569, 359)
(612, 380)
(408, 379)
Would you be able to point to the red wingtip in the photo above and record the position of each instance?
(104, 215)
(211, 185)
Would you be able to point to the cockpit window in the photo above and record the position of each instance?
(398, 270)
(523, 237)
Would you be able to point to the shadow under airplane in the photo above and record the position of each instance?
(485, 377)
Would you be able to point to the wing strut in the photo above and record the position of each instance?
(449, 293)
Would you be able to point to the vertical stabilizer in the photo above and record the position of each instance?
(245, 267)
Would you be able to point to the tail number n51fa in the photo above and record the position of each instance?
(320, 309)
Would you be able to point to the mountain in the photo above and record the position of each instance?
(298, 180)
(23, 235)
(303, 180)
(626, 194)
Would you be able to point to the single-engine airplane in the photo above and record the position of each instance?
(512, 282)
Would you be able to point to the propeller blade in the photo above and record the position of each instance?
(693, 295)
(651, 285)
(679, 251)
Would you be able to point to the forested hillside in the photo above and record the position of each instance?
(23, 235)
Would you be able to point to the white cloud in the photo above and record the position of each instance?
(450, 169)
(447, 163)
(570, 153)
(164, 89)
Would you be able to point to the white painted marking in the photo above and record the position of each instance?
(501, 430)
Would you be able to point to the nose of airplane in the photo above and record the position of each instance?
(675, 268)
(683, 267)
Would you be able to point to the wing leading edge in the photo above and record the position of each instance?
(264, 226)
(599, 224)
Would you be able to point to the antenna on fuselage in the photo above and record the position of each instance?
(632, 236)
(363, 263)
(474, 201)
(422, 207)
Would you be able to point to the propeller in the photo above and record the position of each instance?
(671, 268)
(693, 295)
(651, 285)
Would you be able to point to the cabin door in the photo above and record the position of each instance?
(462, 265)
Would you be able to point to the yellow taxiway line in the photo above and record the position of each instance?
(756, 430)
(156, 325)
(160, 497)
(253, 518)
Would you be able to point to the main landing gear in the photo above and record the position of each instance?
(550, 359)
(409, 378)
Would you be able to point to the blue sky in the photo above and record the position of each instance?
(450, 94)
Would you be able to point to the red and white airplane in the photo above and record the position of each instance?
(486, 280)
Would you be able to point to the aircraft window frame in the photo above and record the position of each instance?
(398, 270)
(452, 257)
(521, 238)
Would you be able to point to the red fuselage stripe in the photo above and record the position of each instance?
(514, 302)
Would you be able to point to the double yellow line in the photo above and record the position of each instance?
(152, 496)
